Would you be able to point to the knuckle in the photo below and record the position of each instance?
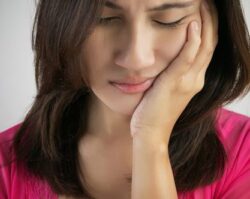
(186, 85)
(198, 40)
(188, 60)
(189, 84)
(199, 86)
(200, 82)
(209, 50)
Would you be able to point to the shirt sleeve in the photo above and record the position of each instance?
(11, 186)
(16, 182)
(236, 135)
(234, 132)
(239, 188)
(5, 166)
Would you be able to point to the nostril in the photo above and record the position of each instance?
(135, 60)
(129, 180)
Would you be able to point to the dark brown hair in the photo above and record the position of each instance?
(48, 137)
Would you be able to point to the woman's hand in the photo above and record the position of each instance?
(155, 116)
(173, 89)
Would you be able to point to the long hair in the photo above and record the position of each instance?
(48, 137)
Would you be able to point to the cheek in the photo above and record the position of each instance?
(170, 44)
(94, 56)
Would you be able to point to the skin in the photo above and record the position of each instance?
(178, 59)
(122, 52)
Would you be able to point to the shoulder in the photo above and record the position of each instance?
(233, 130)
(6, 141)
(230, 120)
(15, 180)
(7, 155)
(8, 168)
(8, 134)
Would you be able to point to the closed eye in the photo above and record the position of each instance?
(170, 24)
(108, 20)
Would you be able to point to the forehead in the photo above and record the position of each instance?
(148, 5)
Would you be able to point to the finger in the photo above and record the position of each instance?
(214, 14)
(187, 55)
(209, 37)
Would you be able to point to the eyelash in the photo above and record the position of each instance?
(108, 20)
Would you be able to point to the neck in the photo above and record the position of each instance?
(104, 122)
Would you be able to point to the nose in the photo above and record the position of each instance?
(137, 50)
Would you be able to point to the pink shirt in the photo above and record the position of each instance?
(233, 130)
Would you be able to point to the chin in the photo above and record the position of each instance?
(127, 109)
(118, 102)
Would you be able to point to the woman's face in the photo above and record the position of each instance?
(137, 43)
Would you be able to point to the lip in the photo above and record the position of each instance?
(131, 88)
(131, 81)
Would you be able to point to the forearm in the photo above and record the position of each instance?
(152, 175)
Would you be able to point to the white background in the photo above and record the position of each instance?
(17, 81)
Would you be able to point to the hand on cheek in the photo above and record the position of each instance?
(173, 89)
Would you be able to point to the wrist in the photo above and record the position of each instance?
(150, 144)
(153, 135)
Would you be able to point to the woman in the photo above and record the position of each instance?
(129, 103)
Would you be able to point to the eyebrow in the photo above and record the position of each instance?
(165, 6)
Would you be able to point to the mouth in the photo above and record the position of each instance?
(131, 88)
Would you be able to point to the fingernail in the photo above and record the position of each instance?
(195, 26)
